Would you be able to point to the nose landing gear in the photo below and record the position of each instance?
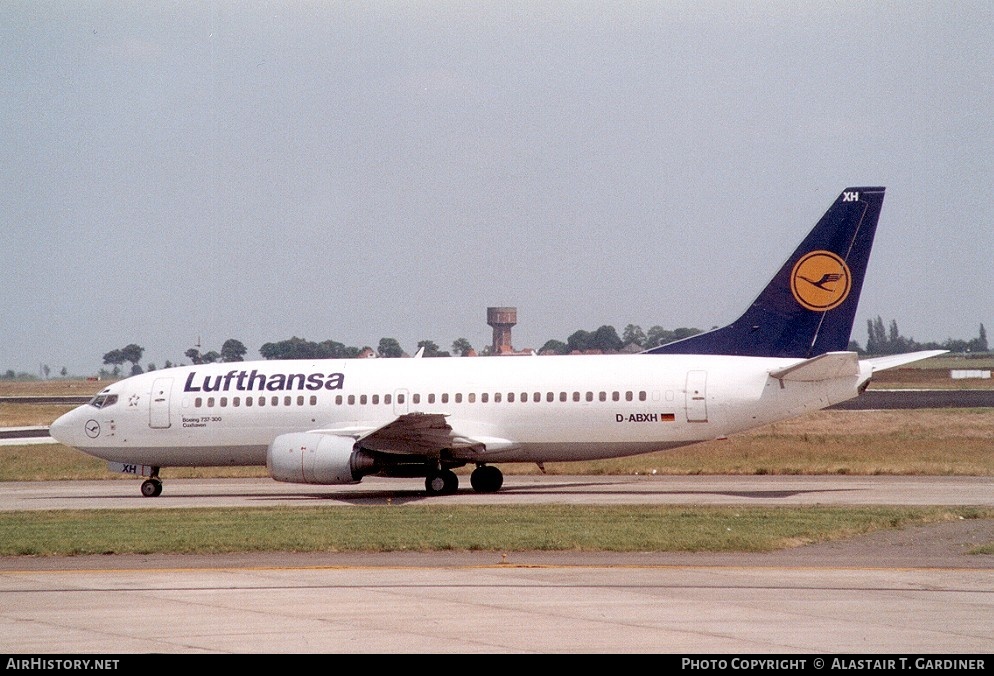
(152, 487)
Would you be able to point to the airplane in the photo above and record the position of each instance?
(331, 422)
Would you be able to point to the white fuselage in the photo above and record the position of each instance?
(500, 409)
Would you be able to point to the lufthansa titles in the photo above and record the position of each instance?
(253, 381)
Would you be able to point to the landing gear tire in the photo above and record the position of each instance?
(442, 482)
(152, 488)
(486, 479)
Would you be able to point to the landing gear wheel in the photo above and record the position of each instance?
(152, 488)
(442, 482)
(486, 479)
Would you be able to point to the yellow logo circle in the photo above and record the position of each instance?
(820, 281)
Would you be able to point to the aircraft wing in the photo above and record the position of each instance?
(420, 434)
(411, 433)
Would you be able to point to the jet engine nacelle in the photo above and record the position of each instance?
(309, 458)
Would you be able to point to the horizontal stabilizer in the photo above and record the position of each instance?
(893, 360)
(823, 367)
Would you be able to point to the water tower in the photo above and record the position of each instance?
(502, 319)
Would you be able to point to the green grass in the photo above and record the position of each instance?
(925, 442)
(928, 442)
(449, 528)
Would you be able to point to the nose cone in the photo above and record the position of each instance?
(62, 429)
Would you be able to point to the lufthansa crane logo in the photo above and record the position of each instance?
(820, 281)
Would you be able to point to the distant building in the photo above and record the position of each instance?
(502, 319)
(964, 374)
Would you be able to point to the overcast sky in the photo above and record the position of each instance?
(350, 171)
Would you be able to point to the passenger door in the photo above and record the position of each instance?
(158, 407)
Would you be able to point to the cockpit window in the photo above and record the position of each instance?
(103, 400)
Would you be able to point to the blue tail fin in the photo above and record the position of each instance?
(809, 307)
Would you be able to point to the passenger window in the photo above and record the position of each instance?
(338, 400)
(275, 401)
(602, 396)
(210, 402)
(262, 401)
(416, 398)
(376, 399)
(287, 400)
(472, 397)
(628, 395)
(431, 398)
(314, 400)
(362, 399)
(497, 396)
(510, 397)
(387, 398)
(642, 395)
(562, 396)
(198, 402)
(615, 396)
(484, 397)
(590, 396)
(445, 397)
(300, 400)
(458, 397)
(576, 396)
(351, 400)
(248, 401)
(224, 402)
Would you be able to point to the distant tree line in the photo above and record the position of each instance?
(890, 341)
(881, 340)
(131, 353)
(232, 350)
(605, 340)
(44, 371)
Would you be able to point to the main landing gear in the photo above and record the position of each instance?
(441, 482)
(484, 479)
(152, 486)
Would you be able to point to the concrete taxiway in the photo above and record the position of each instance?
(525, 489)
(902, 592)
